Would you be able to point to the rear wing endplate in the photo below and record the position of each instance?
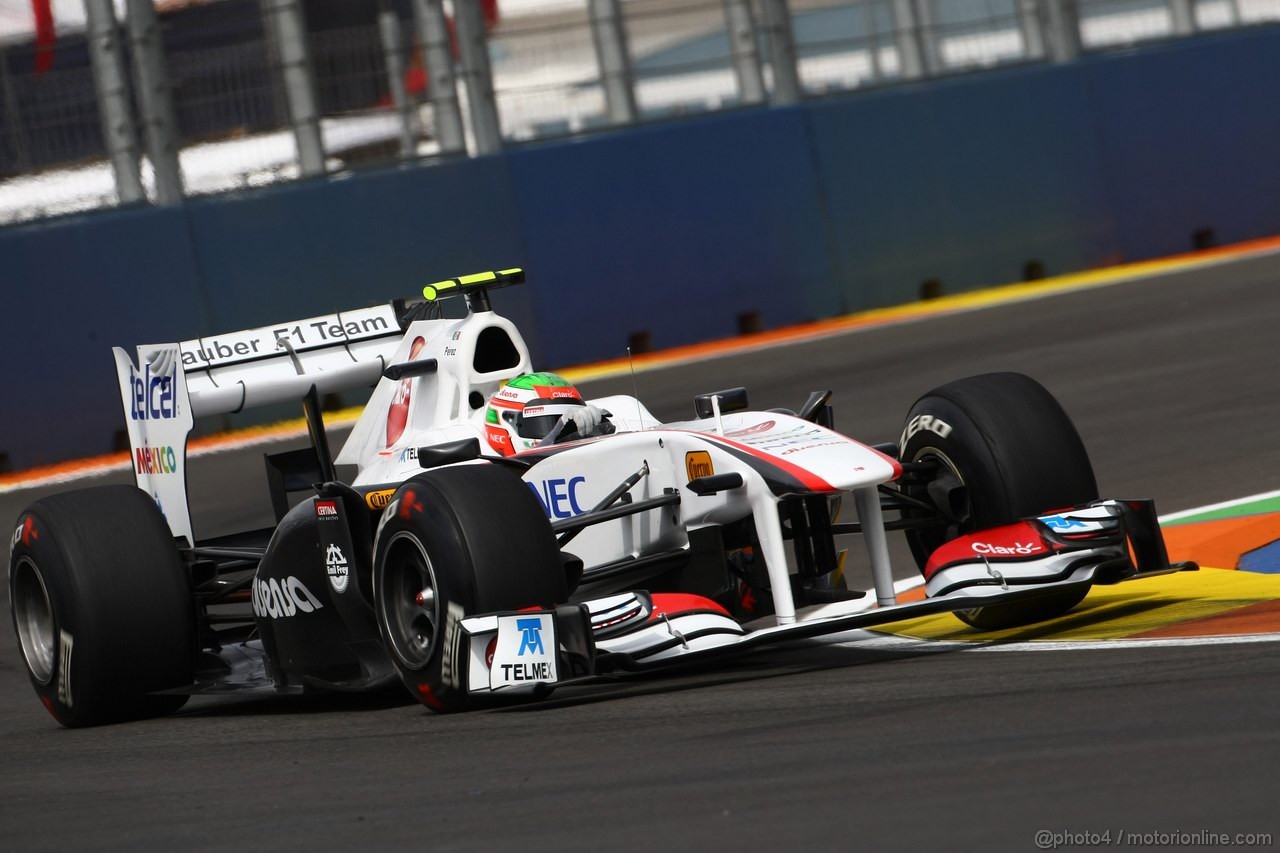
(170, 385)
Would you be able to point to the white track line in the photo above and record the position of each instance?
(1234, 502)
(1127, 643)
(868, 640)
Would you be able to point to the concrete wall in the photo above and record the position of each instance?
(674, 229)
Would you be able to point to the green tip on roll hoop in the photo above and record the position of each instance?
(500, 278)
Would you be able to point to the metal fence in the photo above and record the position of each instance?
(245, 93)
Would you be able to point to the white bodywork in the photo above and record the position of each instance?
(776, 454)
(438, 406)
(768, 450)
(710, 472)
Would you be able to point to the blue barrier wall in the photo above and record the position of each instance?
(71, 291)
(674, 229)
(962, 182)
(1190, 140)
(319, 246)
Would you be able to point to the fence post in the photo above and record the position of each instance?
(608, 32)
(741, 27)
(442, 87)
(907, 38)
(873, 40)
(1063, 31)
(290, 30)
(393, 51)
(12, 116)
(112, 86)
(1183, 15)
(477, 76)
(1029, 25)
(155, 100)
(927, 35)
(782, 52)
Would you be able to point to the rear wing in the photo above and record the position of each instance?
(274, 364)
(171, 385)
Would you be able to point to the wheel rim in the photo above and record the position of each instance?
(950, 494)
(959, 511)
(33, 616)
(411, 605)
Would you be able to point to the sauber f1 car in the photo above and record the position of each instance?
(472, 569)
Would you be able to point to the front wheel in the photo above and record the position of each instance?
(452, 543)
(1002, 449)
(102, 606)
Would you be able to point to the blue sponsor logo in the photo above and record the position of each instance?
(559, 498)
(152, 397)
(531, 641)
(1059, 522)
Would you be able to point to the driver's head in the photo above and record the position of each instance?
(527, 409)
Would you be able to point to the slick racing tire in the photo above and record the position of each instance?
(452, 543)
(102, 606)
(1004, 450)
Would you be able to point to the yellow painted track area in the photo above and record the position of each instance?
(1207, 603)
(1240, 597)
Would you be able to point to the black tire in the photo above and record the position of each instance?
(476, 536)
(1007, 451)
(102, 606)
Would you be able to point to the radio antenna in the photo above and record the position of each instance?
(635, 389)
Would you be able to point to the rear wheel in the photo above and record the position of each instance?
(1003, 449)
(452, 543)
(102, 606)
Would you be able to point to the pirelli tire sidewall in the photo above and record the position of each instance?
(1018, 455)
(122, 615)
(489, 547)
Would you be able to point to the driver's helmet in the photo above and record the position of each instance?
(525, 411)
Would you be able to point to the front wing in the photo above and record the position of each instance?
(1106, 542)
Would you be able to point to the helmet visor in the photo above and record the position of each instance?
(537, 422)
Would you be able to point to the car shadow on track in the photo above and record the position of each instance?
(782, 662)
(1089, 620)
(761, 665)
(786, 661)
(267, 705)
(765, 664)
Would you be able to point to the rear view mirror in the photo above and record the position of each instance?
(731, 400)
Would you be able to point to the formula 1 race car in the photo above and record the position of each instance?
(472, 569)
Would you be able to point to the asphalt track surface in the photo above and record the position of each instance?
(1171, 381)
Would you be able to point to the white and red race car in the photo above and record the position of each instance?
(470, 571)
